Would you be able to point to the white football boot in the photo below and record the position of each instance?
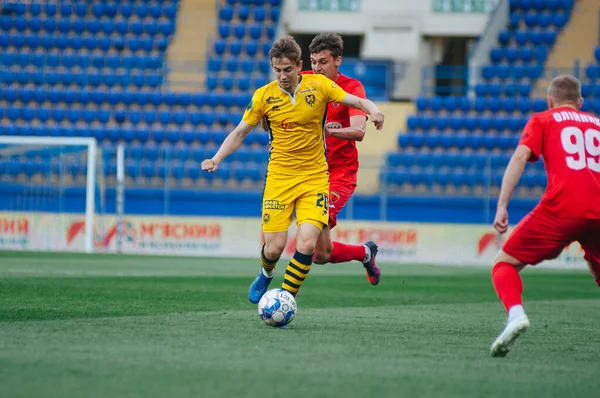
(514, 328)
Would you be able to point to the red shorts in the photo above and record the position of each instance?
(542, 236)
(342, 183)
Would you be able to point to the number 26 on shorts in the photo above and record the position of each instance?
(322, 200)
(586, 145)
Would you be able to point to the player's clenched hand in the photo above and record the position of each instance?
(377, 119)
(209, 165)
(501, 220)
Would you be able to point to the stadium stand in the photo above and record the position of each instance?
(81, 68)
(461, 145)
(92, 68)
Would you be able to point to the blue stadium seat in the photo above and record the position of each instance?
(220, 46)
(214, 64)
(255, 31)
(35, 8)
(235, 47)
(224, 30)
(559, 20)
(239, 30)
(532, 19)
(266, 47)
(243, 12)
(251, 47)
(260, 14)
(274, 14)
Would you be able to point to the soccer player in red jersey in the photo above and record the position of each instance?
(569, 142)
(344, 127)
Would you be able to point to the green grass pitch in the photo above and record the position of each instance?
(128, 326)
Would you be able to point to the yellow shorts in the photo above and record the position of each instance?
(308, 195)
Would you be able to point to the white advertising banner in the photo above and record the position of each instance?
(444, 244)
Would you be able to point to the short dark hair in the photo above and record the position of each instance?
(565, 89)
(327, 41)
(286, 47)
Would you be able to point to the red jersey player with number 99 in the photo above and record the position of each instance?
(569, 142)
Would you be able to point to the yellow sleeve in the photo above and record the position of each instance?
(254, 110)
(332, 92)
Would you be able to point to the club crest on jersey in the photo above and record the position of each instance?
(334, 197)
(335, 105)
(266, 218)
(310, 100)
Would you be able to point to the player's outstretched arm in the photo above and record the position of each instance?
(367, 106)
(512, 174)
(231, 143)
(356, 131)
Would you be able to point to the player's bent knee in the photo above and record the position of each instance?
(321, 256)
(275, 245)
(503, 257)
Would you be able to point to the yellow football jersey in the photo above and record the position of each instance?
(295, 123)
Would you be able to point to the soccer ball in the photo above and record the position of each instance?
(277, 307)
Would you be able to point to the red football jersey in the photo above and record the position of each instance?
(569, 143)
(343, 153)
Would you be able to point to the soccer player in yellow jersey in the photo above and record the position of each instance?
(294, 107)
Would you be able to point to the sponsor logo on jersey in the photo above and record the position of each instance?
(273, 205)
(273, 100)
(307, 91)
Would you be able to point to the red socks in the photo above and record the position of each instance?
(508, 284)
(343, 253)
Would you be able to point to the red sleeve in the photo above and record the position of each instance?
(306, 72)
(532, 137)
(358, 90)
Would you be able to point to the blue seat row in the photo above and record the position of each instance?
(87, 42)
(533, 19)
(254, 2)
(469, 123)
(460, 141)
(154, 152)
(98, 9)
(89, 78)
(244, 12)
(235, 64)
(510, 89)
(530, 71)
(551, 5)
(125, 96)
(241, 30)
(450, 160)
(82, 59)
(81, 25)
(237, 47)
(127, 133)
(480, 104)
(514, 54)
(120, 115)
(229, 82)
(133, 169)
(456, 178)
(533, 37)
